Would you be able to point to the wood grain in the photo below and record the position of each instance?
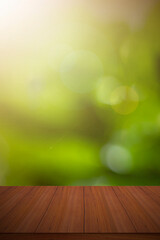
(154, 189)
(10, 198)
(65, 213)
(104, 212)
(26, 216)
(80, 213)
(155, 196)
(148, 205)
(142, 218)
(3, 189)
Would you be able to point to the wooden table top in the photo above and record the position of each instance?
(80, 210)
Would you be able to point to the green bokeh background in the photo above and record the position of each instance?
(53, 135)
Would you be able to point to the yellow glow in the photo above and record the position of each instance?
(57, 55)
(124, 100)
(105, 88)
(81, 71)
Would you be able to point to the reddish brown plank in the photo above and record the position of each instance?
(3, 189)
(74, 236)
(10, 198)
(104, 213)
(65, 213)
(27, 214)
(151, 194)
(154, 189)
(140, 215)
(150, 207)
(80, 210)
(8, 193)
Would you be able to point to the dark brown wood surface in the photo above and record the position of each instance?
(86, 212)
(79, 236)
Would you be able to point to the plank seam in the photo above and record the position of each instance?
(46, 210)
(84, 209)
(149, 195)
(141, 205)
(124, 209)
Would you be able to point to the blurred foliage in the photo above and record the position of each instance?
(80, 101)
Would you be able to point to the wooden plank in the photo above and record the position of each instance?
(152, 208)
(26, 216)
(153, 195)
(8, 193)
(3, 189)
(74, 236)
(65, 213)
(154, 189)
(10, 198)
(139, 215)
(99, 210)
(104, 213)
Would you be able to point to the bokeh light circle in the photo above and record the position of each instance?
(105, 88)
(124, 100)
(57, 55)
(81, 70)
(117, 158)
